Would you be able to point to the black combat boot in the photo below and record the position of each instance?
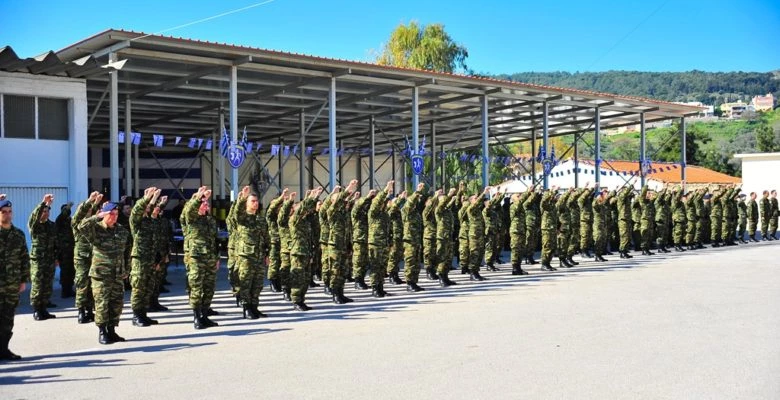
(518, 270)
(338, 296)
(395, 279)
(5, 353)
(276, 285)
(139, 320)
(586, 253)
(412, 287)
(464, 270)
(248, 314)
(360, 283)
(572, 262)
(431, 274)
(628, 255)
(90, 315)
(475, 276)
(42, 315)
(491, 267)
(157, 307)
(286, 294)
(301, 306)
(600, 258)
(103, 336)
(547, 267)
(209, 312)
(205, 317)
(112, 333)
(531, 261)
(327, 290)
(198, 319)
(378, 292)
(444, 281)
(149, 320)
(313, 284)
(82, 316)
(257, 312)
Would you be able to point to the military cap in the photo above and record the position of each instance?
(108, 206)
(708, 195)
(5, 203)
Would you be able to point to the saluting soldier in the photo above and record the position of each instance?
(549, 227)
(429, 237)
(463, 234)
(43, 258)
(301, 248)
(517, 230)
(14, 273)
(283, 223)
(742, 212)
(144, 251)
(445, 223)
(65, 247)
(396, 253)
(491, 214)
(249, 251)
(202, 255)
(625, 223)
(360, 239)
(413, 229)
(679, 219)
(661, 206)
(585, 203)
(275, 255)
(379, 239)
(600, 210)
(82, 259)
(477, 234)
(337, 240)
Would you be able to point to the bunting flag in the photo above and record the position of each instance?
(178, 139)
(274, 150)
(200, 142)
(121, 138)
(286, 152)
(309, 150)
(136, 138)
(208, 144)
(192, 143)
(158, 140)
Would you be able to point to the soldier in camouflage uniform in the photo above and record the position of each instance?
(691, 216)
(322, 215)
(413, 230)
(337, 240)
(445, 222)
(477, 234)
(110, 249)
(491, 215)
(463, 234)
(65, 245)
(302, 244)
(532, 225)
(316, 259)
(774, 214)
(396, 235)
(232, 228)
(585, 203)
(14, 272)
(283, 223)
(647, 221)
(249, 251)
(600, 210)
(359, 216)
(162, 240)
(42, 258)
(703, 221)
(625, 229)
(82, 259)
(275, 255)
(549, 227)
(679, 219)
(716, 216)
(429, 238)
(517, 230)
(379, 239)
(752, 214)
(564, 228)
(202, 255)
(574, 219)
(765, 206)
(613, 234)
(728, 223)
(144, 250)
(661, 206)
(743, 217)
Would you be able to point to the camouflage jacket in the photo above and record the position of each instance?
(476, 220)
(323, 218)
(412, 218)
(517, 217)
(359, 217)
(283, 224)
(271, 217)
(549, 212)
(110, 248)
(396, 221)
(337, 220)
(83, 249)
(143, 230)
(249, 233)
(299, 226)
(200, 235)
(43, 235)
(463, 220)
(445, 219)
(14, 259)
(379, 220)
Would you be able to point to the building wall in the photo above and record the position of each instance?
(760, 172)
(35, 167)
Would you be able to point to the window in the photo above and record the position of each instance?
(19, 117)
(52, 119)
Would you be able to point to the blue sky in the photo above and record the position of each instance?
(501, 36)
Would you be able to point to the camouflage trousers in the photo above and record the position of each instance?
(476, 252)
(715, 228)
(338, 266)
(549, 237)
(741, 229)
(490, 247)
(109, 297)
(586, 234)
(430, 259)
(327, 272)
(678, 233)
(531, 237)
(463, 253)
(377, 260)
(646, 230)
(9, 300)
(300, 275)
(284, 269)
(411, 261)
(232, 273)
(443, 256)
(83, 283)
(661, 234)
(563, 243)
(690, 233)
(624, 228)
(699, 235)
(599, 242)
(67, 271)
(772, 226)
(359, 259)
(42, 279)
(729, 228)
(394, 256)
(274, 260)
(142, 284)
(574, 238)
(517, 247)
(202, 278)
(250, 274)
(158, 277)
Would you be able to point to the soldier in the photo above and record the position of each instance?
(360, 240)
(202, 256)
(429, 237)
(774, 213)
(661, 206)
(337, 240)
(517, 230)
(445, 222)
(728, 225)
(564, 228)
(15, 270)
(625, 228)
(249, 251)
(301, 246)
(65, 245)
(82, 259)
(144, 249)
(283, 223)
(549, 227)
(232, 228)
(463, 234)
(636, 224)
(612, 223)
(316, 259)
(585, 203)
(110, 249)
(743, 217)
(327, 270)
(42, 258)
(491, 215)
(600, 210)
(704, 209)
(766, 214)
(477, 234)
(411, 214)
(716, 216)
(532, 225)
(574, 218)
(752, 214)
(162, 240)
(648, 220)
(275, 255)
(678, 201)
(378, 239)
(396, 253)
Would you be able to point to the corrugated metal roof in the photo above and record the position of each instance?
(46, 64)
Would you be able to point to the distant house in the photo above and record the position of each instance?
(733, 110)
(763, 103)
(619, 173)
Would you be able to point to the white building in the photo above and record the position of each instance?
(43, 137)
(760, 172)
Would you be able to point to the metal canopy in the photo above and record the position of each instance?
(180, 87)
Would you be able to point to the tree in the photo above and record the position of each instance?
(423, 47)
(765, 139)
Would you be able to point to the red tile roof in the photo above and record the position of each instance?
(669, 172)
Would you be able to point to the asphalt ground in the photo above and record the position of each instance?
(693, 325)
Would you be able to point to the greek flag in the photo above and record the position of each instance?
(224, 143)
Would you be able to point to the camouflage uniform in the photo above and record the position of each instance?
(110, 249)
(476, 234)
(585, 203)
(625, 228)
(162, 240)
(232, 228)
(283, 223)
(445, 223)
(143, 255)
(82, 258)
(532, 220)
(661, 207)
(360, 237)
(65, 246)
(301, 249)
(636, 224)
(613, 233)
(574, 220)
(728, 223)
(491, 215)
(396, 253)
(702, 220)
(327, 270)
(378, 240)
(774, 213)
(202, 255)
(337, 239)
(600, 211)
(564, 224)
(463, 236)
(692, 216)
(743, 218)
(249, 252)
(316, 258)
(429, 236)
(647, 223)
(274, 255)
(517, 230)
(716, 216)
(679, 218)
(14, 271)
(42, 258)
(413, 228)
(765, 206)
(549, 226)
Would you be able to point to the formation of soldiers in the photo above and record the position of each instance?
(344, 237)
